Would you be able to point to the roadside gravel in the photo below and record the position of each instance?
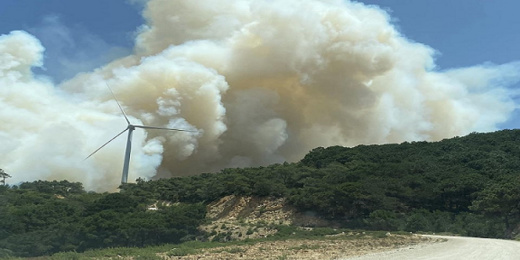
(326, 249)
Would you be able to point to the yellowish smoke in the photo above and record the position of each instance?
(260, 81)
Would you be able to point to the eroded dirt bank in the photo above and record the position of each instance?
(238, 218)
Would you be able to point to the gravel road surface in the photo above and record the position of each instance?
(460, 248)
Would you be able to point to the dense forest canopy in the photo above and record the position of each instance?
(467, 185)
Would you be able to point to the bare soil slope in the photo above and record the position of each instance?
(238, 218)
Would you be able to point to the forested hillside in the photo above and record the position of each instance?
(466, 185)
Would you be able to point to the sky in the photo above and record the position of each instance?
(463, 32)
(258, 82)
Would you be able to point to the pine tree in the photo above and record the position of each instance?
(3, 176)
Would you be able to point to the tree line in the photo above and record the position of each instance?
(467, 185)
(42, 218)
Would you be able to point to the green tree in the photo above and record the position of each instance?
(501, 200)
(3, 176)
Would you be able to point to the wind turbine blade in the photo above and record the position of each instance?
(117, 101)
(162, 128)
(106, 143)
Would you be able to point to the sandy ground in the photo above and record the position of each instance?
(460, 248)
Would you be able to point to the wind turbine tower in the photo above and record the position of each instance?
(130, 128)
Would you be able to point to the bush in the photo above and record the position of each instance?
(418, 221)
(382, 220)
(182, 251)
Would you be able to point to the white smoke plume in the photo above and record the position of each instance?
(260, 81)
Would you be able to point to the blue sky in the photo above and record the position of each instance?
(82, 35)
(465, 32)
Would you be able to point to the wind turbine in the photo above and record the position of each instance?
(130, 128)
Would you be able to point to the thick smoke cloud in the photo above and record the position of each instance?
(258, 81)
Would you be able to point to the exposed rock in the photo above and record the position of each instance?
(238, 217)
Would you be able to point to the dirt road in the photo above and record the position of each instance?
(460, 248)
